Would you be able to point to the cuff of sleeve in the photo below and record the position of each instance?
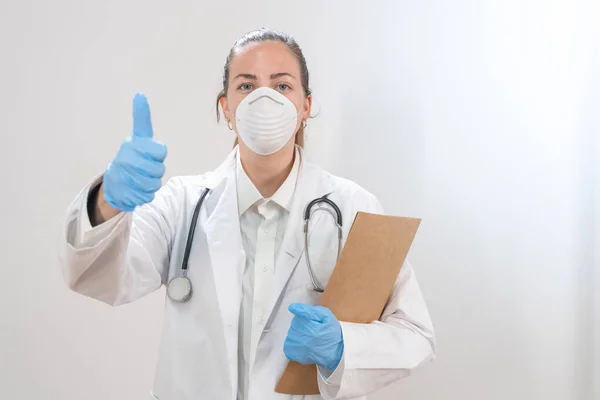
(86, 233)
(84, 222)
(332, 378)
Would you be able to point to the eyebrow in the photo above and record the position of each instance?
(280, 74)
(273, 76)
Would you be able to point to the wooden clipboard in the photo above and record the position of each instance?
(360, 284)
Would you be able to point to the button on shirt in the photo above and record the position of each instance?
(262, 224)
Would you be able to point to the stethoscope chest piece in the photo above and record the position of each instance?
(179, 289)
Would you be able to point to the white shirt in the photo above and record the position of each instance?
(262, 224)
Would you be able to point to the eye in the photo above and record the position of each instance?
(282, 87)
(245, 87)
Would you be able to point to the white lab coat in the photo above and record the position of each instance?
(135, 253)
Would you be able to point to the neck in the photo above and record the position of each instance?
(267, 173)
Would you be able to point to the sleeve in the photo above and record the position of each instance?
(384, 351)
(124, 258)
(332, 378)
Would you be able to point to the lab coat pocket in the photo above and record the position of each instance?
(153, 396)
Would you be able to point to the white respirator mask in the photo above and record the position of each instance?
(266, 120)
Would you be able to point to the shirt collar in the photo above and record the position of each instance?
(248, 194)
(284, 195)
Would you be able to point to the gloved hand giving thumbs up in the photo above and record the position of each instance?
(135, 174)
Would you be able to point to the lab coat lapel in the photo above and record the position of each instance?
(226, 254)
(312, 182)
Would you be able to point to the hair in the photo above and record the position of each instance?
(259, 36)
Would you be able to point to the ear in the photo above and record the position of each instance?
(225, 106)
(307, 107)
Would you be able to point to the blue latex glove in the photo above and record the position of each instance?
(135, 174)
(315, 337)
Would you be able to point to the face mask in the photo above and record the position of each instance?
(266, 120)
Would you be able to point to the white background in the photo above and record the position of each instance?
(481, 117)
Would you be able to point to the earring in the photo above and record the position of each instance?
(229, 125)
(304, 124)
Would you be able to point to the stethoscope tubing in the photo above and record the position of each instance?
(336, 215)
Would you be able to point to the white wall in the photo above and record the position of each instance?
(592, 126)
(474, 115)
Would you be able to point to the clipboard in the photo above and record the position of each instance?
(360, 284)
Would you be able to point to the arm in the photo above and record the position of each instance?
(384, 351)
(117, 234)
(98, 208)
(123, 258)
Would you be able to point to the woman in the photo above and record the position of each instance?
(252, 305)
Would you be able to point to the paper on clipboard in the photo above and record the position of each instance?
(360, 284)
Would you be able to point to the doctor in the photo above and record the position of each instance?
(251, 302)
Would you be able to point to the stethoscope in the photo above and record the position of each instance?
(336, 214)
(179, 288)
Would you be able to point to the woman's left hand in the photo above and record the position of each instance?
(315, 336)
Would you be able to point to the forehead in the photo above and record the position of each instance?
(266, 57)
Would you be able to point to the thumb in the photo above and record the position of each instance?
(142, 124)
(306, 311)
